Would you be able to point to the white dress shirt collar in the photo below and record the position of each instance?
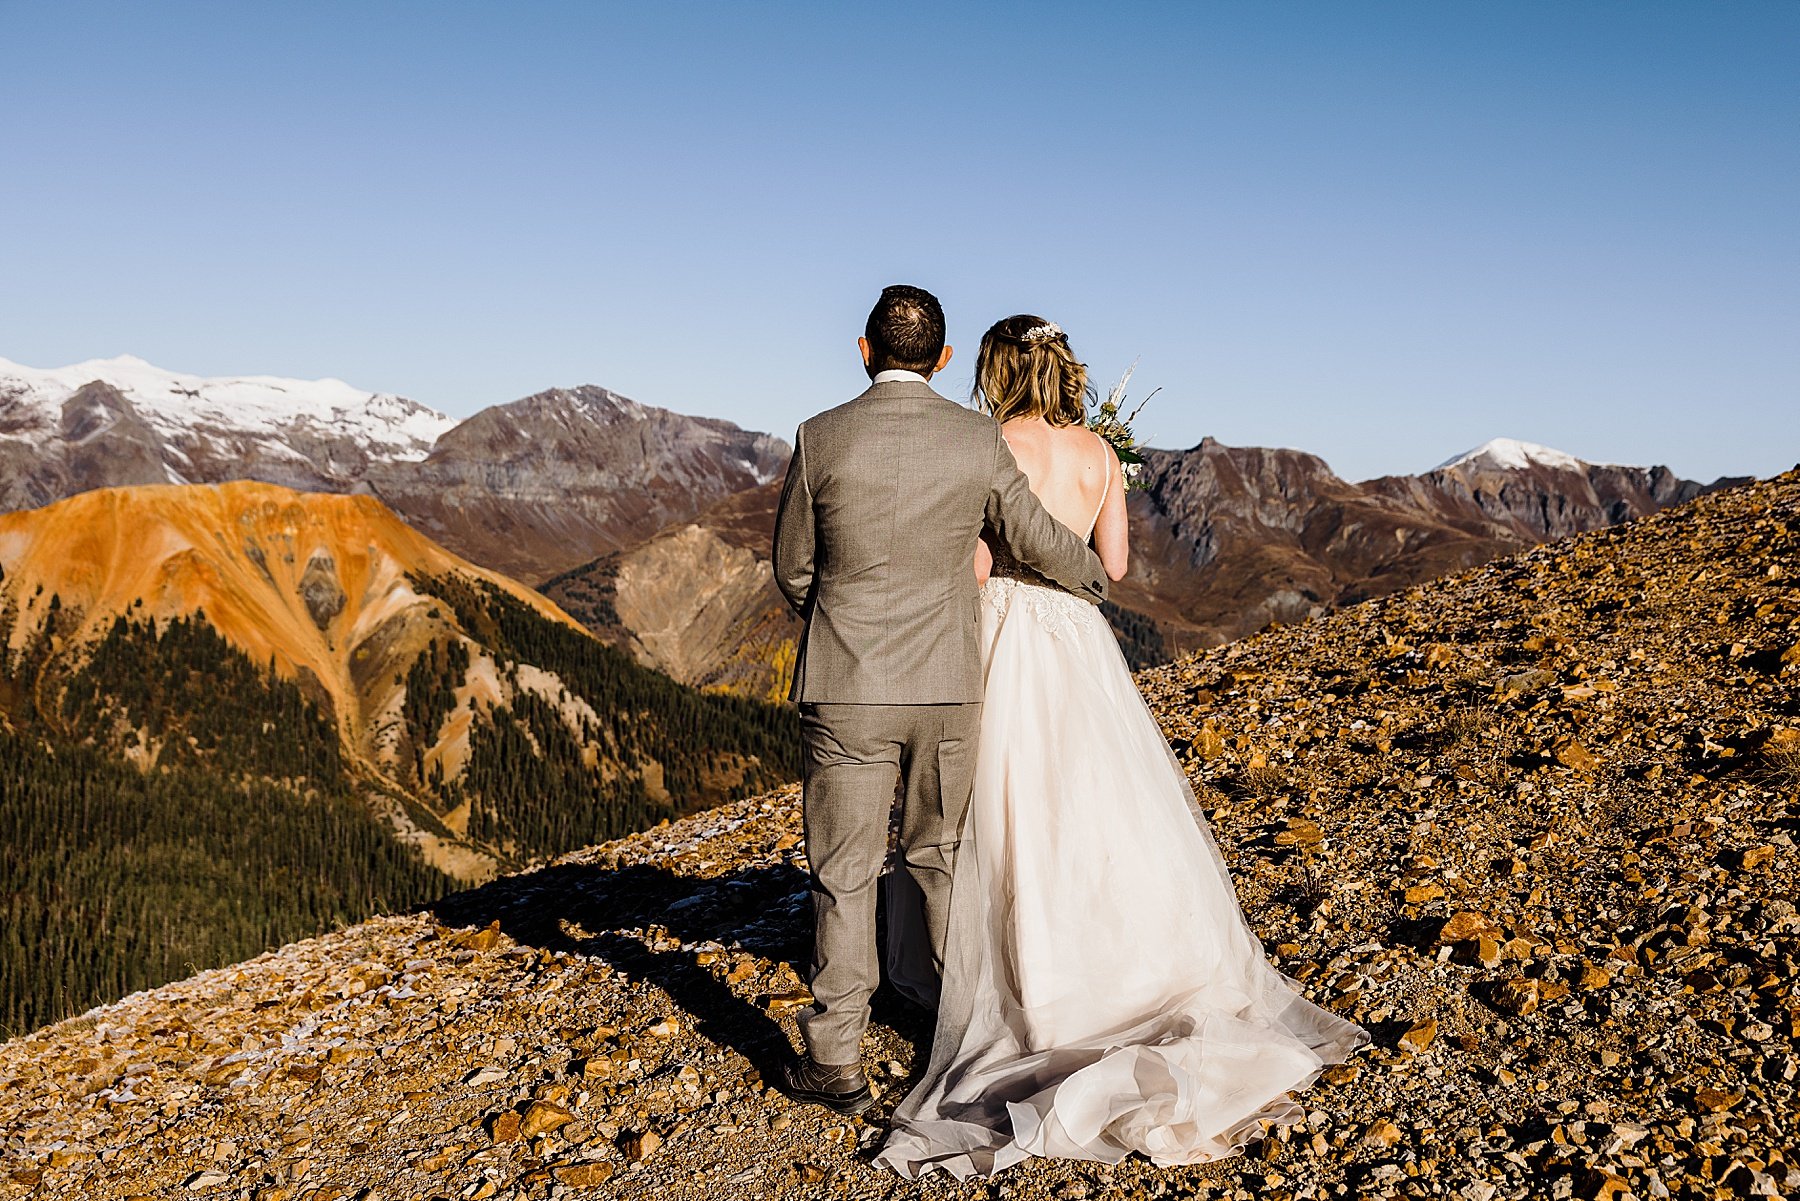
(894, 375)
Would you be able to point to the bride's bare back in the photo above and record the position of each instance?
(1076, 476)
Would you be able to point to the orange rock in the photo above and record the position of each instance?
(1420, 1036)
(583, 1175)
(504, 1127)
(1573, 754)
(1464, 924)
(1517, 996)
(1381, 1133)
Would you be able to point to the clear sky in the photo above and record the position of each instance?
(1382, 232)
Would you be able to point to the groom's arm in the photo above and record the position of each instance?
(1035, 538)
(795, 546)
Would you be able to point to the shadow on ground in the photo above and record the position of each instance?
(604, 913)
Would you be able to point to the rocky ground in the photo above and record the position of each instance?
(1533, 825)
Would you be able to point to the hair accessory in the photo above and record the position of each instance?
(1042, 333)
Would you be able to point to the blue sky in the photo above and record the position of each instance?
(1382, 232)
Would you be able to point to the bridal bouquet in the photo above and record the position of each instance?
(1104, 419)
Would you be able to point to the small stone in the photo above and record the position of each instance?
(1300, 832)
(543, 1117)
(1715, 1100)
(1573, 754)
(206, 1180)
(484, 939)
(583, 1175)
(1418, 894)
(1463, 925)
(1517, 996)
(482, 1077)
(1597, 1184)
(504, 1127)
(783, 1003)
(1591, 976)
(667, 1028)
(1381, 1133)
(1756, 857)
(640, 1145)
(1420, 1036)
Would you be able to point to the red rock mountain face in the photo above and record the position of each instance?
(1225, 540)
(1228, 539)
(546, 483)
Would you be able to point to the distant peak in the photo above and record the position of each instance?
(1511, 453)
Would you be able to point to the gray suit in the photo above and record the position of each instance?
(885, 497)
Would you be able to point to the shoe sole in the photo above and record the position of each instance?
(847, 1104)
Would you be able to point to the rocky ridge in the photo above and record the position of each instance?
(529, 488)
(1533, 825)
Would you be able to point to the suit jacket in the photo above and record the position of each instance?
(875, 538)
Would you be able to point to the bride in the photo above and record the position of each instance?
(1102, 993)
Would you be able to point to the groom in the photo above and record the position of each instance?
(874, 546)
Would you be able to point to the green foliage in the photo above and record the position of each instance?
(588, 592)
(164, 688)
(534, 788)
(245, 834)
(431, 684)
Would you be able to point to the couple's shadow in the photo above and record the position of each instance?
(608, 914)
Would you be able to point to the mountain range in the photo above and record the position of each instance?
(652, 528)
(187, 650)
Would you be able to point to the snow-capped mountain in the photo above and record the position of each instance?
(174, 404)
(125, 421)
(532, 487)
(1510, 454)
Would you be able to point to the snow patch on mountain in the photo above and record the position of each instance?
(1513, 455)
(390, 427)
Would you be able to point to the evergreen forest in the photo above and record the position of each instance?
(543, 780)
(168, 805)
(243, 836)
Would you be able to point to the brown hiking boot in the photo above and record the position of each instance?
(840, 1088)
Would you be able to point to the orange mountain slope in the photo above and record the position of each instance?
(314, 581)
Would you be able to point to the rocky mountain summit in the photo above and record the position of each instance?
(529, 488)
(122, 421)
(1226, 539)
(542, 484)
(1532, 824)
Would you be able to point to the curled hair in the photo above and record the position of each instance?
(1035, 376)
(905, 330)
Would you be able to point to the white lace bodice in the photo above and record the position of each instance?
(1059, 612)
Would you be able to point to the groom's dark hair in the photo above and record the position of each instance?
(905, 330)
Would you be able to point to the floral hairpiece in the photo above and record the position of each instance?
(1042, 333)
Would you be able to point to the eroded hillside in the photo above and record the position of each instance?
(1533, 825)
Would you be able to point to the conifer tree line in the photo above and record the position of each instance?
(536, 788)
(167, 804)
(244, 835)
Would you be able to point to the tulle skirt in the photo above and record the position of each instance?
(1102, 993)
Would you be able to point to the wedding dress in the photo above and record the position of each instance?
(1102, 993)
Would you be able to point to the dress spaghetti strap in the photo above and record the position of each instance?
(1106, 487)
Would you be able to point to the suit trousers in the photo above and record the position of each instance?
(856, 757)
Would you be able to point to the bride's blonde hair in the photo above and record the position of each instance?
(1026, 369)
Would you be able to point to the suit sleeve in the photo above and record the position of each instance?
(795, 539)
(1033, 537)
